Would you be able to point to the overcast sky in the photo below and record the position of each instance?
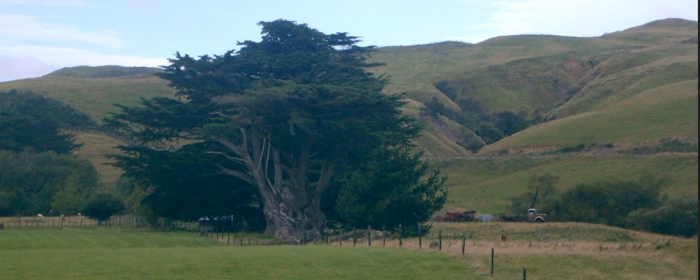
(40, 36)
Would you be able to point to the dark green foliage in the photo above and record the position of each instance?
(186, 184)
(667, 145)
(473, 108)
(489, 132)
(32, 105)
(102, 206)
(389, 191)
(19, 133)
(509, 123)
(71, 198)
(447, 89)
(30, 183)
(675, 217)
(32, 122)
(609, 203)
(435, 107)
(578, 148)
(280, 114)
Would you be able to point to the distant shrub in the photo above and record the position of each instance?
(609, 202)
(676, 217)
(446, 88)
(509, 123)
(666, 145)
(489, 132)
(575, 149)
(102, 206)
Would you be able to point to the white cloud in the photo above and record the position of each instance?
(31, 47)
(580, 18)
(22, 28)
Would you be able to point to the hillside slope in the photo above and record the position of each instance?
(549, 78)
(95, 90)
(623, 89)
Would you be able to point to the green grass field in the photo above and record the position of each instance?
(569, 251)
(669, 111)
(94, 97)
(487, 185)
(79, 253)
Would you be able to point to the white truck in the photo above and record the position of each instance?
(533, 216)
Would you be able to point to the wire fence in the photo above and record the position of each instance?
(19, 222)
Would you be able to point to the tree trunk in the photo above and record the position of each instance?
(288, 224)
(291, 203)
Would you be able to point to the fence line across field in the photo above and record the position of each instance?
(18, 222)
(435, 239)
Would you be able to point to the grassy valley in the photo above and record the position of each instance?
(615, 107)
(611, 96)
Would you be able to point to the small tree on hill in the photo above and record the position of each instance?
(541, 191)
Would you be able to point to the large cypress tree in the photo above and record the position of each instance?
(283, 112)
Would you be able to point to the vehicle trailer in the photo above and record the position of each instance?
(466, 216)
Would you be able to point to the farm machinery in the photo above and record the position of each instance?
(466, 216)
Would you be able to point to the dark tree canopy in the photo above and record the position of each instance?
(609, 202)
(281, 114)
(388, 191)
(102, 206)
(30, 183)
(32, 122)
(26, 103)
(186, 184)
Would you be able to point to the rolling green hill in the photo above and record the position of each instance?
(95, 90)
(554, 78)
(613, 94)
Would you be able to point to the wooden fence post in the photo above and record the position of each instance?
(354, 238)
(420, 237)
(492, 258)
(440, 240)
(384, 235)
(524, 273)
(369, 235)
(464, 243)
(400, 236)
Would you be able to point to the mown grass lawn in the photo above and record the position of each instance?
(79, 253)
(571, 251)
